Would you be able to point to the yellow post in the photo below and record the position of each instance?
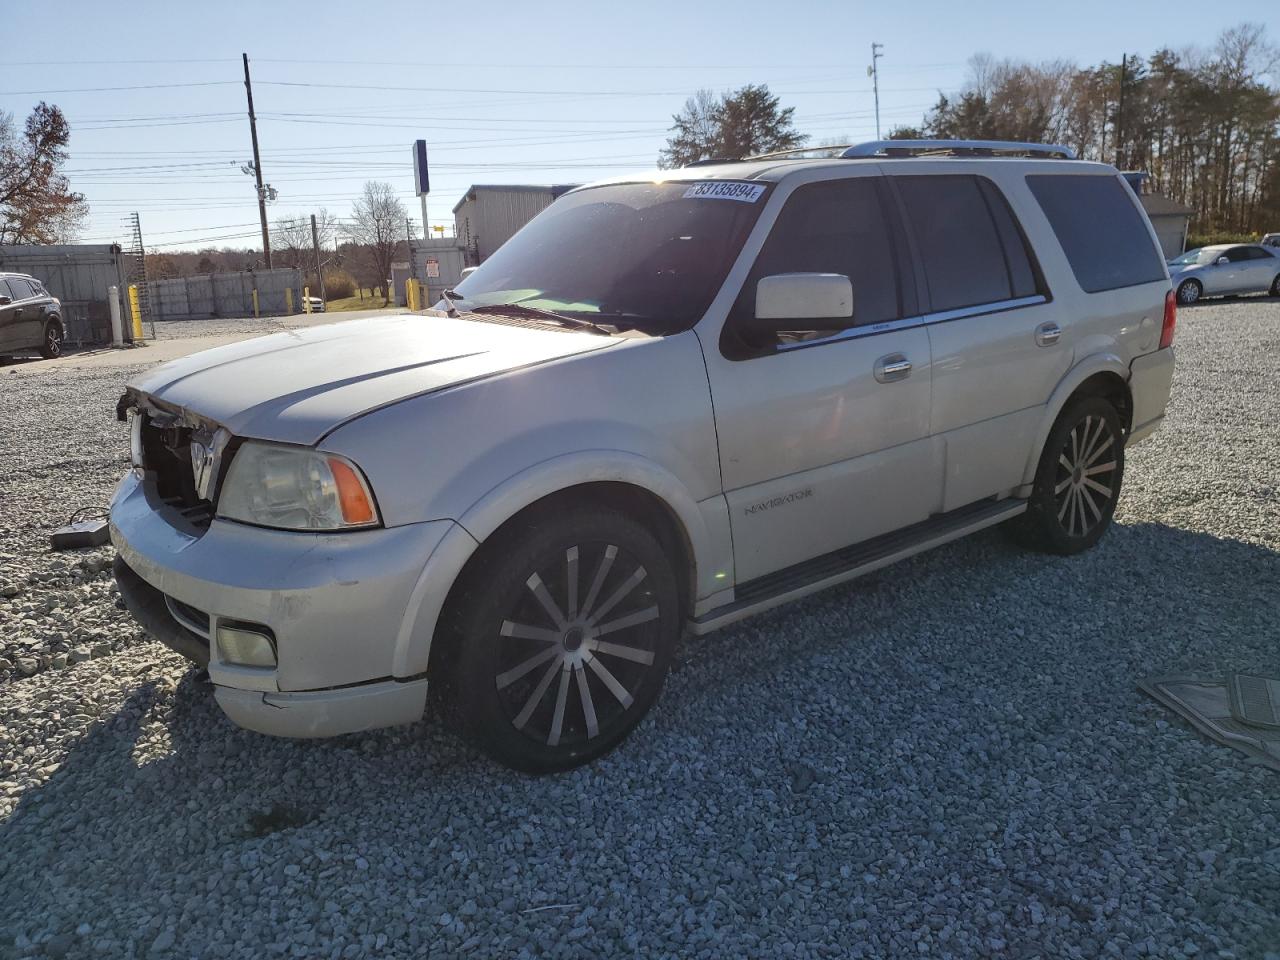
(255, 302)
(288, 300)
(411, 294)
(306, 299)
(135, 312)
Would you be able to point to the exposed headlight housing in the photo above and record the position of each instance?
(135, 438)
(296, 488)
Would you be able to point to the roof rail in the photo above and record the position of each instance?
(957, 148)
(794, 151)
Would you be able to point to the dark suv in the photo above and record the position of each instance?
(30, 318)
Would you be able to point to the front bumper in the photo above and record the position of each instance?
(341, 607)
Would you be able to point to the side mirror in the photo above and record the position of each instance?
(802, 301)
(1222, 260)
(5, 300)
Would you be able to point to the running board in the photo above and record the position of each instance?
(839, 566)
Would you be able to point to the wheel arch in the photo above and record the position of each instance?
(1104, 376)
(637, 486)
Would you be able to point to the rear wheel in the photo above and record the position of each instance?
(1275, 286)
(1189, 291)
(1078, 480)
(51, 341)
(559, 638)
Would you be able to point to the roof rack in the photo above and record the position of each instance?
(796, 151)
(957, 148)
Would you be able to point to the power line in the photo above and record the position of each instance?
(143, 86)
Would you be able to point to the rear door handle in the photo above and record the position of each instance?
(1047, 334)
(893, 367)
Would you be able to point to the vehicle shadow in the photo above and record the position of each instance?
(167, 798)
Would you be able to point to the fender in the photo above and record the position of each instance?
(500, 504)
(1093, 364)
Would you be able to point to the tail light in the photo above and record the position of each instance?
(1170, 320)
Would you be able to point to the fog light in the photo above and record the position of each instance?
(244, 647)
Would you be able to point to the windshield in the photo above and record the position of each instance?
(644, 256)
(1197, 256)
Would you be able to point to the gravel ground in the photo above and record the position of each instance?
(946, 760)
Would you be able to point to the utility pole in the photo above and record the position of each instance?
(874, 70)
(315, 245)
(1124, 62)
(257, 167)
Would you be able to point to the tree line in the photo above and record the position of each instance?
(1205, 124)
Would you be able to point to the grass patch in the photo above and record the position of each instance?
(371, 301)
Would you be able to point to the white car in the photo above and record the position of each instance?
(673, 400)
(317, 304)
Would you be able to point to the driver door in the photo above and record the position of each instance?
(824, 438)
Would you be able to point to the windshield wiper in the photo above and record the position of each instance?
(450, 297)
(520, 310)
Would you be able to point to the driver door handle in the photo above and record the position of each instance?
(893, 367)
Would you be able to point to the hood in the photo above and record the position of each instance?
(297, 386)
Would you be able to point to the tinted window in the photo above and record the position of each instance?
(24, 289)
(964, 263)
(1257, 253)
(5, 291)
(838, 226)
(1023, 276)
(1102, 232)
(1239, 254)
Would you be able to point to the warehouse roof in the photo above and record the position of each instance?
(555, 189)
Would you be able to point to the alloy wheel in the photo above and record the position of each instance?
(1085, 482)
(1189, 292)
(571, 660)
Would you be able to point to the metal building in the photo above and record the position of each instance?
(488, 215)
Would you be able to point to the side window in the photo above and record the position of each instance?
(23, 289)
(1239, 254)
(837, 226)
(5, 291)
(1104, 236)
(1024, 274)
(959, 243)
(1257, 253)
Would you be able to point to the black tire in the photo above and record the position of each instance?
(519, 649)
(1189, 292)
(51, 340)
(1275, 286)
(1078, 481)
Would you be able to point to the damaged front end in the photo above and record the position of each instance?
(183, 457)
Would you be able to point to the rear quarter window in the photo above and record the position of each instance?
(1102, 232)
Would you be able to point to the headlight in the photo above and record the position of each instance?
(294, 488)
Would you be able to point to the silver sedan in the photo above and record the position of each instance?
(1225, 269)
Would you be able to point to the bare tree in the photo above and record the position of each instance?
(37, 204)
(377, 224)
(292, 246)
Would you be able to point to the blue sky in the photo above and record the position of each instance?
(514, 92)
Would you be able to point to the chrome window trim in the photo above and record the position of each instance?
(923, 320)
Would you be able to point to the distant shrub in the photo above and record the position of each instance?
(339, 285)
(1220, 236)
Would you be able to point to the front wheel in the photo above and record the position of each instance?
(1189, 291)
(1275, 286)
(1078, 480)
(51, 342)
(559, 637)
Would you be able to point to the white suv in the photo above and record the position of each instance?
(671, 401)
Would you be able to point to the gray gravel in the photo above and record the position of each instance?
(946, 760)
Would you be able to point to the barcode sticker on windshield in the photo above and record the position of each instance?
(725, 190)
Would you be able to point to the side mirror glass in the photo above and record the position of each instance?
(1223, 260)
(5, 301)
(802, 301)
